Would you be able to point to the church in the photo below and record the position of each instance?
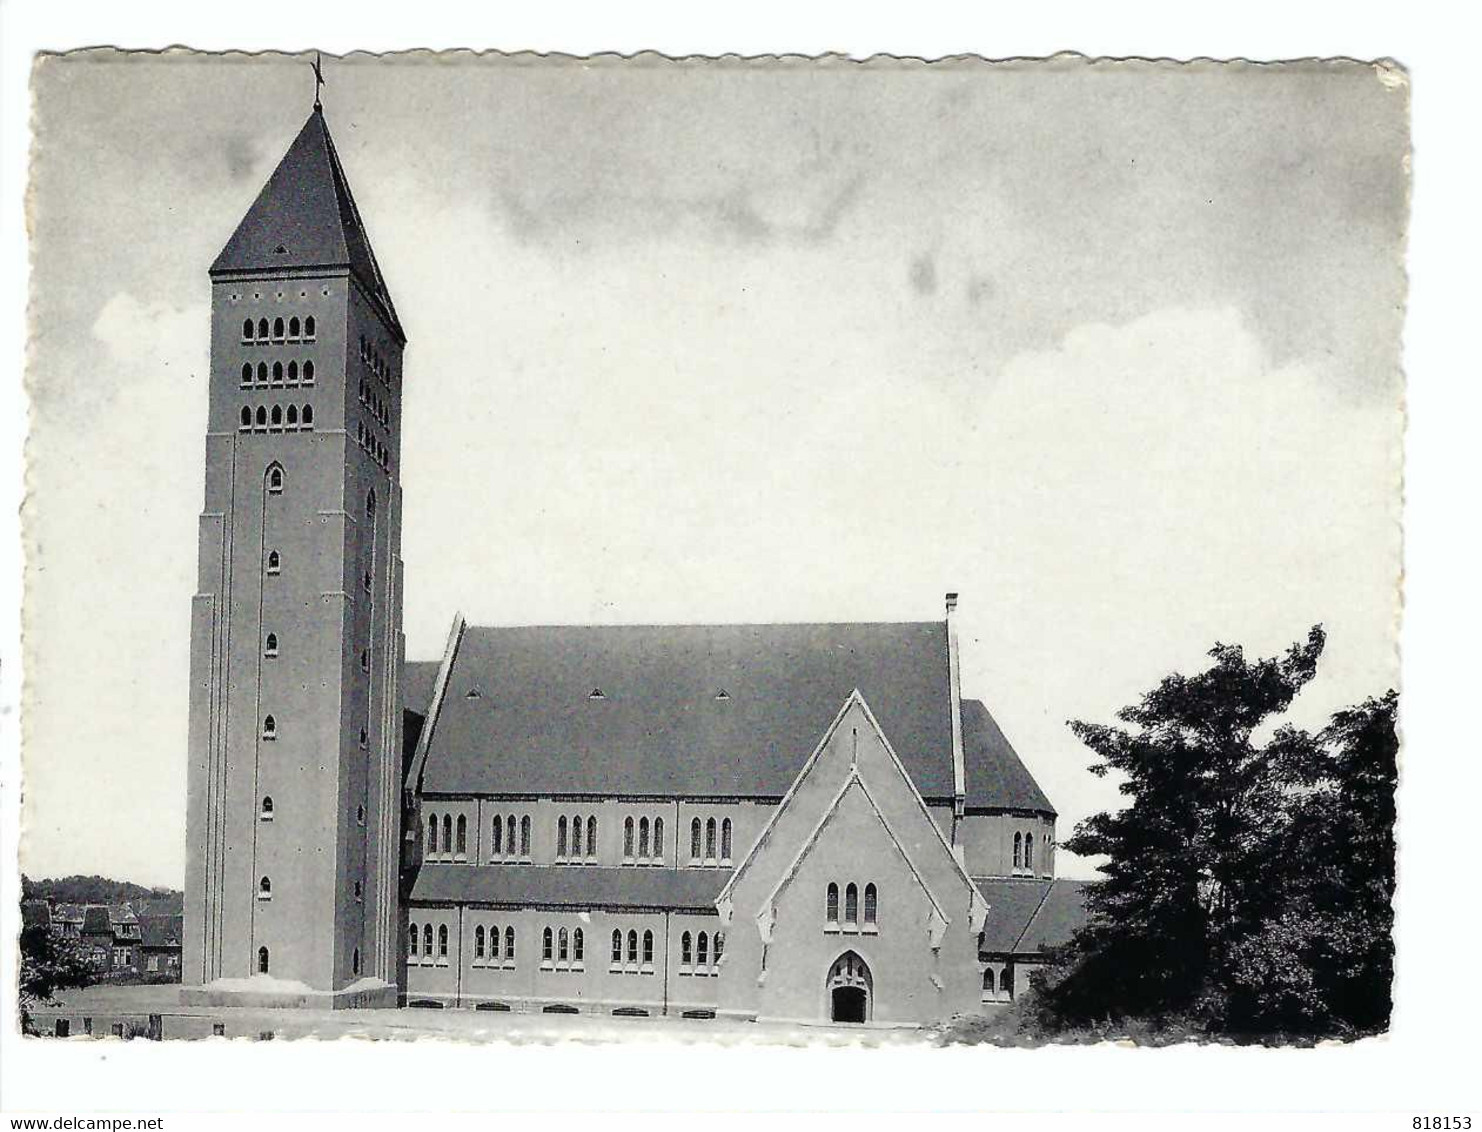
(803, 823)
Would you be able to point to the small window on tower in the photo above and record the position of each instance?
(292, 416)
(359, 815)
(275, 563)
(292, 371)
(293, 327)
(308, 414)
(270, 646)
(262, 417)
(277, 372)
(262, 328)
(365, 660)
(246, 417)
(247, 330)
(269, 727)
(278, 329)
(309, 327)
(366, 581)
(364, 739)
(262, 371)
(309, 368)
(264, 889)
(246, 373)
(266, 813)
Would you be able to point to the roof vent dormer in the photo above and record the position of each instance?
(596, 694)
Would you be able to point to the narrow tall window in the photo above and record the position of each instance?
(262, 372)
(509, 840)
(1018, 850)
(269, 727)
(643, 838)
(617, 947)
(725, 840)
(246, 417)
(710, 839)
(496, 839)
(1029, 851)
(578, 946)
(702, 950)
(262, 417)
(627, 839)
(546, 939)
(592, 837)
(309, 327)
(427, 940)
(266, 812)
(262, 960)
(658, 839)
(293, 371)
(720, 944)
(561, 839)
(563, 954)
(265, 889)
(632, 947)
(442, 941)
(293, 416)
(412, 940)
(270, 646)
(277, 372)
(246, 373)
(478, 942)
(355, 962)
(277, 418)
(494, 942)
(431, 834)
(262, 328)
(648, 949)
(851, 904)
(509, 944)
(685, 954)
(293, 326)
(525, 836)
(447, 833)
(870, 904)
(275, 473)
(576, 826)
(247, 329)
(275, 563)
(277, 328)
(309, 371)
(695, 840)
(832, 908)
(462, 835)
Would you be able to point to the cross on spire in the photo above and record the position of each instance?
(318, 80)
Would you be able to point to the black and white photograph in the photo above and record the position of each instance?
(782, 553)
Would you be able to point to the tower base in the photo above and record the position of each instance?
(264, 992)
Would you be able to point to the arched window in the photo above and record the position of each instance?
(293, 416)
(1029, 851)
(262, 372)
(442, 941)
(365, 739)
(269, 727)
(447, 833)
(431, 834)
(648, 949)
(370, 504)
(262, 417)
(546, 939)
(831, 911)
(478, 942)
(262, 328)
(275, 473)
(685, 953)
(275, 563)
(277, 418)
(561, 838)
(509, 944)
(591, 837)
(632, 946)
(870, 904)
(412, 940)
(427, 940)
(309, 370)
(643, 838)
(1018, 850)
(293, 371)
(277, 328)
(309, 327)
(247, 329)
(525, 836)
(576, 825)
(266, 812)
(293, 327)
(496, 839)
(627, 839)
(270, 646)
(578, 946)
(851, 904)
(509, 841)
(246, 417)
(710, 839)
(277, 372)
(617, 946)
(359, 815)
(702, 951)
(563, 952)
(725, 840)
(246, 373)
(695, 840)
(462, 835)
(264, 889)
(988, 982)
(659, 839)
(720, 944)
(262, 960)
(494, 942)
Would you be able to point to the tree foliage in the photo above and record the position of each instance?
(49, 963)
(1248, 881)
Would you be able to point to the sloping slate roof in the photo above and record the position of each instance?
(996, 777)
(96, 920)
(306, 208)
(417, 678)
(659, 729)
(568, 886)
(160, 931)
(1025, 915)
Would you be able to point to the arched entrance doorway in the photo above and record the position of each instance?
(850, 989)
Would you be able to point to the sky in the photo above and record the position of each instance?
(1110, 349)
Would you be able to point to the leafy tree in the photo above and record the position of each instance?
(1188, 875)
(49, 964)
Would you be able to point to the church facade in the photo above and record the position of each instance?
(799, 822)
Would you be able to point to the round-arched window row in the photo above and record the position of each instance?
(276, 419)
(491, 946)
(627, 961)
(696, 957)
(1024, 852)
(704, 849)
(851, 920)
(509, 837)
(576, 842)
(293, 329)
(277, 374)
(562, 949)
(643, 842)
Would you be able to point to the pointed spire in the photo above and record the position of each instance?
(305, 217)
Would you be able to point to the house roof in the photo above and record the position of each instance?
(568, 886)
(681, 710)
(305, 217)
(35, 913)
(160, 931)
(122, 914)
(68, 913)
(417, 678)
(1028, 914)
(996, 777)
(96, 919)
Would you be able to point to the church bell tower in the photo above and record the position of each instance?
(293, 821)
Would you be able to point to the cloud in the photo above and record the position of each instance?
(137, 333)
